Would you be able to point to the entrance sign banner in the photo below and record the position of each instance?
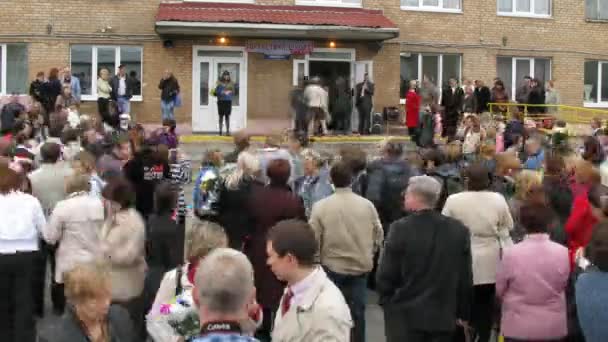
(277, 57)
(280, 47)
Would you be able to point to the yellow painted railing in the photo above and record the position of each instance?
(570, 114)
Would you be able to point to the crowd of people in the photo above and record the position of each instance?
(498, 230)
(429, 113)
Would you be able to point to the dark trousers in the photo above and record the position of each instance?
(364, 118)
(263, 334)
(302, 121)
(16, 307)
(414, 133)
(58, 297)
(342, 123)
(354, 290)
(508, 339)
(103, 107)
(396, 330)
(135, 307)
(39, 281)
(224, 109)
(483, 310)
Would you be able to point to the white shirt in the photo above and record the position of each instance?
(299, 289)
(122, 86)
(21, 223)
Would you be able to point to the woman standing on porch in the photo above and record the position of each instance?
(224, 90)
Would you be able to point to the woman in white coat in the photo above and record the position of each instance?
(489, 220)
(74, 225)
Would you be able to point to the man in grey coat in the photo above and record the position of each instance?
(365, 92)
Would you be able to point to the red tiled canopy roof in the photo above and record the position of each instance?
(260, 14)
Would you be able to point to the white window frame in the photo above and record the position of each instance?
(439, 82)
(598, 103)
(329, 3)
(95, 71)
(3, 81)
(529, 14)
(425, 8)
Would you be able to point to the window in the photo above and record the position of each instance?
(88, 60)
(437, 68)
(13, 69)
(597, 9)
(596, 83)
(331, 3)
(432, 5)
(512, 70)
(525, 8)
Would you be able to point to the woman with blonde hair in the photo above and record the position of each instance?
(314, 185)
(526, 182)
(89, 313)
(503, 180)
(229, 205)
(85, 164)
(202, 237)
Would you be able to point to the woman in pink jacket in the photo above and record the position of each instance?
(531, 282)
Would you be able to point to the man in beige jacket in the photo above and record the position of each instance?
(349, 233)
(312, 308)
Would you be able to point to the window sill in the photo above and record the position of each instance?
(595, 104)
(524, 15)
(92, 98)
(225, 1)
(434, 10)
(326, 4)
(598, 21)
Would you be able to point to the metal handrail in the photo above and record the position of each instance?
(570, 114)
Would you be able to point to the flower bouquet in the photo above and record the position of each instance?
(174, 322)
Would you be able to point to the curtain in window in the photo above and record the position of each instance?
(451, 68)
(409, 71)
(451, 4)
(505, 6)
(82, 66)
(430, 2)
(504, 68)
(410, 3)
(130, 57)
(16, 69)
(591, 81)
(603, 9)
(523, 5)
(542, 7)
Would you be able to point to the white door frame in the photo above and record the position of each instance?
(243, 91)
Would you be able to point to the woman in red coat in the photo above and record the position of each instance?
(412, 110)
(588, 210)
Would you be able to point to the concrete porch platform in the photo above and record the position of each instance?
(259, 128)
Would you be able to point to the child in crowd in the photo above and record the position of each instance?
(500, 133)
(168, 135)
(473, 136)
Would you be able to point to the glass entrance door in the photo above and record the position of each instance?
(208, 69)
